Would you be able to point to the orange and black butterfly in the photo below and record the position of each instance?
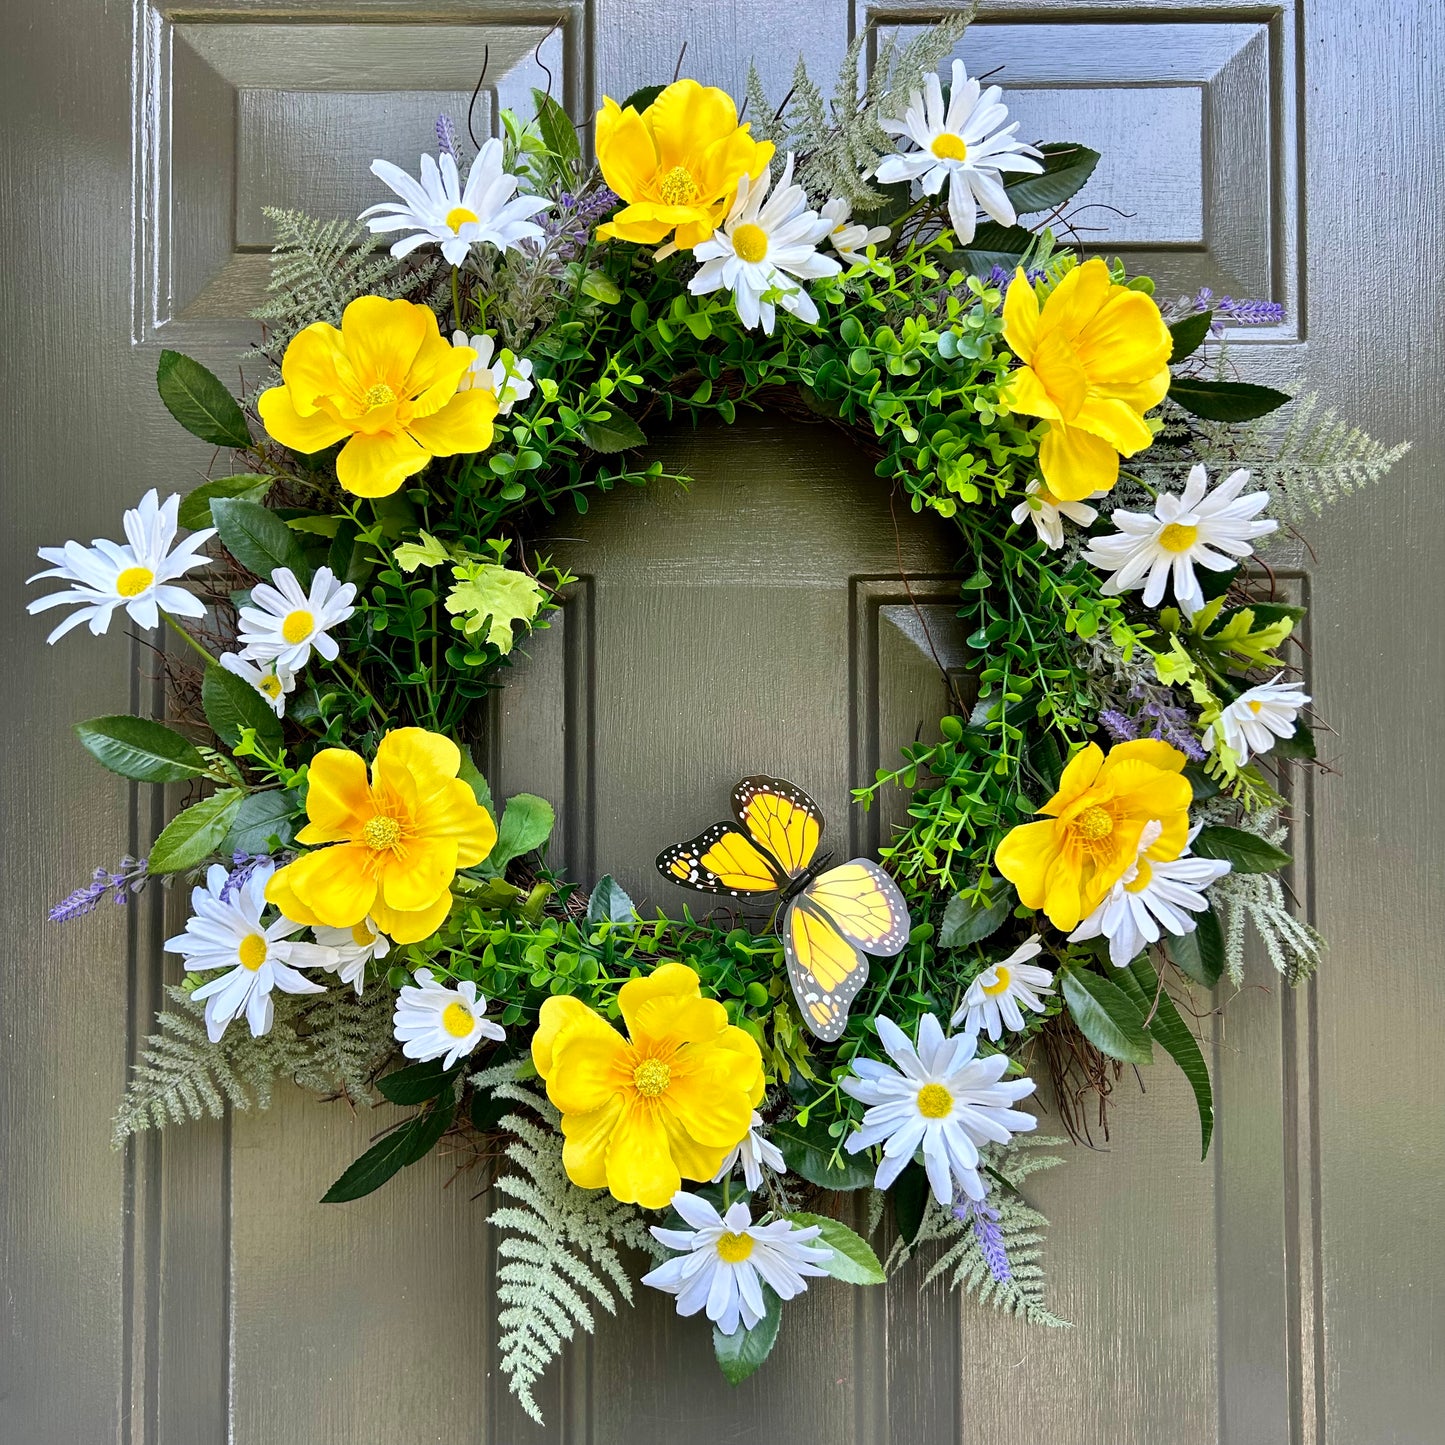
(831, 919)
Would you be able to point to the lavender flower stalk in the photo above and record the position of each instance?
(130, 879)
(984, 1219)
(243, 865)
(447, 137)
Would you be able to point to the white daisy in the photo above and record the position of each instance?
(272, 682)
(136, 575)
(1047, 513)
(1214, 529)
(439, 208)
(941, 1099)
(1150, 894)
(851, 242)
(993, 998)
(282, 623)
(728, 1259)
(509, 378)
(1252, 723)
(228, 933)
(968, 146)
(432, 1020)
(354, 949)
(763, 241)
(753, 1151)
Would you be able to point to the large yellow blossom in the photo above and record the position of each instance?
(677, 164)
(398, 840)
(1095, 359)
(1067, 863)
(388, 381)
(641, 1115)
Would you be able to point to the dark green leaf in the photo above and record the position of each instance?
(414, 1140)
(1204, 786)
(642, 97)
(1246, 852)
(258, 539)
(1141, 983)
(740, 1353)
(193, 836)
(617, 433)
(965, 923)
(415, 1084)
(471, 775)
(853, 1259)
(1225, 400)
(910, 1201)
(527, 823)
(1189, 335)
(558, 133)
(995, 245)
(136, 747)
(261, 817)
(348, 557)
(200, 403)
(195, 509)
(231, 703)
(609, 903)
(1200, 954)
(1300, 745)
(807, 1150)
(1105, 1016)
(1066, 167)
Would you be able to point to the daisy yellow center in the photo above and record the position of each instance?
(381, 832)
(750, 242)
(934, 1101)
(457, 1020)
(1255, 707)
(134, 580)
(379, 395)
(270, 684)
(360, 933)
(252, 951)
(651, 1078)
(677, 187)
(460, 216)
(1001, 980)
(734, 1248)
(1142, 874)
(1093, 823)
(1177, 537)
(297, 626)
(949, 147)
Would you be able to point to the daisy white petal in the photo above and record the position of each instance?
(1047, 512)
(753, 1152)
(508, 377)
(282, 622)
(433, 1021)
(992, 1001)
(1259, 718)
(848, 240)
(353, 948)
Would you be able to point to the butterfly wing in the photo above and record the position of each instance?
(780, 818)
(864, 904)
(825, 969)
(721, 860)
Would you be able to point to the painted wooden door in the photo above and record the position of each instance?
(191, 1290)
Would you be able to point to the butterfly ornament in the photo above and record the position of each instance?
(832, 917)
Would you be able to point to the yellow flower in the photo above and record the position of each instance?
(399, 839)
(641, 1115)
(677, 164)
(388, 381)
(1066, 864)
(1095, 359)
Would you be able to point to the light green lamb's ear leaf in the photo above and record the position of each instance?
(231, 703)
(195, 508)
(1246, 852)
(258, 539)
(1106, 1016)
(964, 922)
(426, 553)
(853, 1261)
(527, 823)
(494, 598)
(617, 433)
(193, 836)
(196, 398)
(559, 134)
(136, 747)
(609, 903)
(742, 1352)
(471, 775)
(1066, 167)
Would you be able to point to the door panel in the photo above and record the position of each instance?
(191, 1289)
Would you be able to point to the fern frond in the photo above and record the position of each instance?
(347, 1040)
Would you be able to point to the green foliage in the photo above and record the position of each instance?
(853, 1259)
(258, 539)
(195, 834)
(136, 747)
(408, 1143)
(198, 400)
(492, 600)
(195, 509)
(1225, 400)
(1106, 1015)
(743, 1352)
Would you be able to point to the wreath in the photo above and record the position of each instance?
(1086, 842)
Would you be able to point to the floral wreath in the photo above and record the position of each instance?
(1085, 845)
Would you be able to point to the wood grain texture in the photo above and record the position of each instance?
(192, 1290)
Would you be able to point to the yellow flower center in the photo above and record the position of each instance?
(750, 242)
(949, 147)
(459, 216)
(934, 1101)
(381, 832)
(298, 625)
(1177, 537)
(379, 395)
(734, 1248)
(651, 1078)
(1093, 823)
(1140, 881)
(361, 934)
(457, 1020)
(252, 951)
(134, 580)
(270, 684)
(1254, 707)
(677, 187)
(1001, 979)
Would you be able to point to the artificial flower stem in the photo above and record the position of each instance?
(181, 632)
(360, 683)
(457, 296)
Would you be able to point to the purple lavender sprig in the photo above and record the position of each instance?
(1120, 726)
(571, 225)
(1001, 276)
(985, 1221)
(130, 879)
(447, 137)
(1241, 312)
(1173, 725)
(243, 865)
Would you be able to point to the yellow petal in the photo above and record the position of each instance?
(338, 798)
(419, 871)
(584, 1144)
(1021, 317)
(1075, 463)
(685, 119)
(1153, 751)
(589, 1066)
(740, 1042)
(644, 223)
(1063, 902)
(420, 752)
(376, 466)
(725, 162)
(694, 1160)
(1126, 341)
(306, 434)
(1060, 373)
(279, 895)
(406, 927)
(313, 366)
(336, 884)
(640, 1168)
(557, 1013)
(668, 1022)
(464, 424)
(1118, 424)
(383, 337)
(1083, 768)
(669, 980)
(1027, 857)
(625, 151)
(708, 1095)
(435, 374)
(1076, 300)
(1024, 392)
